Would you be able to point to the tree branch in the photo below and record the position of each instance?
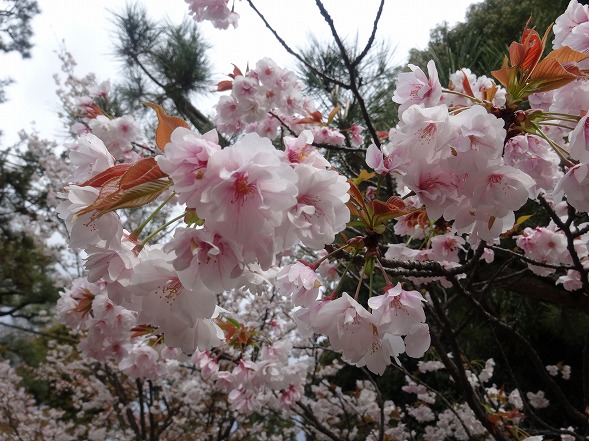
(532, 355)
(351, 72)
(370, 42)
(293, 53)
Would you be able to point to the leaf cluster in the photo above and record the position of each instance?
(25, 266)
(15, 25)
(481, 40)
(163, 62)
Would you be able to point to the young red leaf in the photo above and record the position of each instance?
(224, 85)
(533, 52)
(236, 72)
(144, 170)
(466, 85)
(138, 196)
(100, 179)
(383, 211)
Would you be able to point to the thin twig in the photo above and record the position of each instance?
(532, 355)
(351, 72)
(528, 260)
(293, 53)
(565, 228)
(41, 334)
(370, 42)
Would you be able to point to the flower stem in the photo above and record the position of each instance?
(135, 234)
(160, 229)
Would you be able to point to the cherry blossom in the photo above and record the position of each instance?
(185, 159)
(256, 187)
(215, 11)
(574, 186)
(415, 87)
(300, 281)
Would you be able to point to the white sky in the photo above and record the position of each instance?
(85, 27)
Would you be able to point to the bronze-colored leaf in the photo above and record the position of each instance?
(166, 125)
(505, 74)
(533, 52)
(144, 170)
(140, 195)
(466, 85)
(566, 55)
(224, 85)
(100, 179)
(517, 52)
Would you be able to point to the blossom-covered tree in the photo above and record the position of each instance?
(289, 287)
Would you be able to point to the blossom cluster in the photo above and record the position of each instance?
(266, 221)
(452, 160)
(215, 11)
(117, 134)
(264, 89)
(269, 98)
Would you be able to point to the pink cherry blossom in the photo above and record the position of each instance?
(185, 159)
(320, 211)
(418, 340)
(349, 326)
(434, 184)
(423, 133)
(301, 151)
(216, 262)
(117, 134)
(574, 185)
(579, 141)
(416, 88)
(546, 245)
(166, 303)
(572, 98)
(244, 194)
(299, 281)
(381, 162)
(535, 157)
(398, 309)
(479, 133)
(90, 157)
(204, 334)
(215, 11)
(141, 363)
(87, 229)
(111, 264)
(574, 16)
(382, 347)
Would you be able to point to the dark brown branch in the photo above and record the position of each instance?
(183, 105)
(537, 288)
(370, 42)
(308, 414)
(431, 268)
(293, 53)
(565, 228)
(530, 261)
(139, 385)
(123, 400)
(351, 71)
(586, 371)
(458, 372)
(532, 355)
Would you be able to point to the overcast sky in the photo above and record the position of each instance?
(85, 27)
